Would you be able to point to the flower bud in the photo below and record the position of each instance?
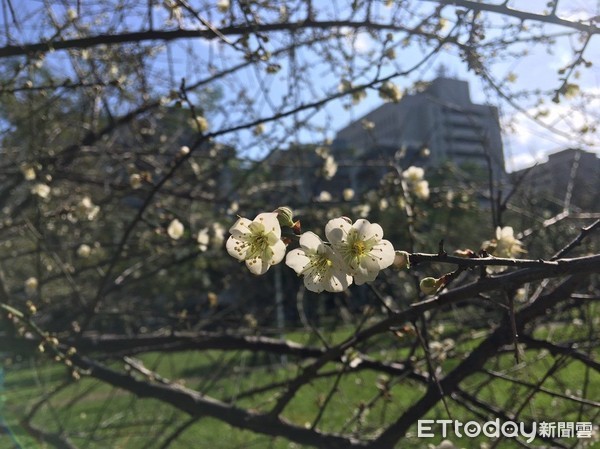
(466, 253)
(31, 308)
(430, 285)
(401, 260)
(285, 216)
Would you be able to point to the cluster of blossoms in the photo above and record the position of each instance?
(354, 252)
(415, 182)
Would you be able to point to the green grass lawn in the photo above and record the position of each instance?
(95, 415)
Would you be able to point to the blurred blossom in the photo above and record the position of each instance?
(322, 152)
(233, 208)
(135, 181)
(329, 167)
(31, 286)
(324, 197)
(84, 251)
(87, 210)
(390, 92)
(218, 235)
(372, 196)
(202, 124)
(203, 239)
(521, 295)
(258, 129)
(223, 5)
(413, 174)
(41, 190)
(348, 194)
(362, 210)
(175, 229)
(28, 171)
(367, 124)
(421, 190)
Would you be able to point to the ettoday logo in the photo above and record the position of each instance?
(509, 429)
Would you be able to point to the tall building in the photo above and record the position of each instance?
(441, 118)
(569, 179)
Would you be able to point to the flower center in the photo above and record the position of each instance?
(359, 248)
(320, 266)
(259, 245)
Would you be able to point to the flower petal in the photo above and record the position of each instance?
(278, 252)
(297, 260)
(311, 241)
(258, 266)
(367, 230)
(235, 248)
(337, 229)
(384, 253)
(338, 282)
(240, 227)
(270, 223)
(314, 283)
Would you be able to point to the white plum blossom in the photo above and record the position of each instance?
(321, 268)
(41, 190)
(218, 235)
(257, 242)
(421, 190)
(175, 229)
(390, 92)
(203, 239)
(87, 210)
(361, 247)
(413, 174)
(329, 167)
(28, 171)
(506, 243)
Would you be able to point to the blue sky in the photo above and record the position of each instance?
(525, 141)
